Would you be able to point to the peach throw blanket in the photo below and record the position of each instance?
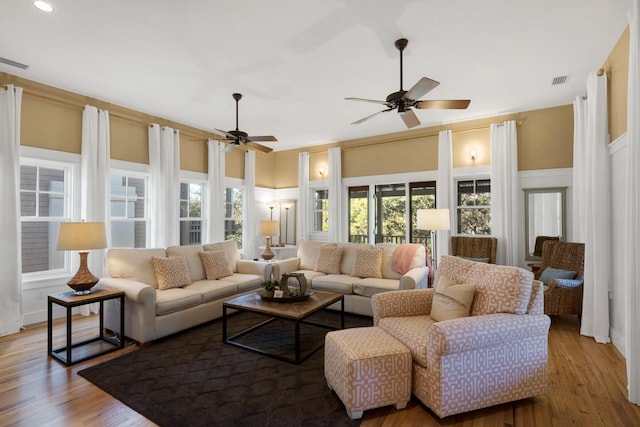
(403, 256)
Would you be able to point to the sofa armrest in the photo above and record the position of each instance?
(136, 292)
(412, 302)
(416, 278)
(476, 332)
(282, 266)
(246, 266)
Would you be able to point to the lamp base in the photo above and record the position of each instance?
(267, 253)
(84, 280)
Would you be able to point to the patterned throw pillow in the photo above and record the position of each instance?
(368, 263)
(451, 300)
(329, 259)
(171, 272)
(216, 264)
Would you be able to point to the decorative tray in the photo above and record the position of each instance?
(295, 298)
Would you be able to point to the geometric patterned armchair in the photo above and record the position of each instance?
(475, 247)
(563, 296)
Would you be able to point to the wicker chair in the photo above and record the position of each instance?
(474, 247)
(537, 251)
(563, 296)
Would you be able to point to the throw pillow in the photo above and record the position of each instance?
(216, 264)
(171, 272)
(367, 263)
(451, 300)
(556, 273)
(329, 259)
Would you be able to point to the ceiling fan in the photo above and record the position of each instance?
(404, 100)
(237, 137)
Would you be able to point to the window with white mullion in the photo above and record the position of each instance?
(191, 208)
(128, 202)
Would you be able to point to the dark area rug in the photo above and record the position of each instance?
(193, 378)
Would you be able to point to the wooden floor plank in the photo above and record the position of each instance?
(587, 387)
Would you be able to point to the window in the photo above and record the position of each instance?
(359, 214)
(474, 207)
(191, 213)
(233, 215)
(44, 204)
(422, 196)
(321, 210)
(390, 208)
(128, 211)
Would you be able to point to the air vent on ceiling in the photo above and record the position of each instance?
(560, 80)
(13, 63)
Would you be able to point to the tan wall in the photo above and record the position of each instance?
(265, 170)
(193, 154)
(617, 69)
(129, 140)
(464, 142)
(50, 125)
(545, 139)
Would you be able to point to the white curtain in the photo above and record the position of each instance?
(11, 316)
(335, 195)
(504, 192)
(443, 189)
(249, 228)
(164, 165)
(632, 212)
(579, 179)
(94, 183)
(216, 191)
(304, 201)
(596, 190)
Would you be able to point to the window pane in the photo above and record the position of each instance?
(474, 207)
(27, 204)
(390, 213)
(184, 209)
(190, 232)
(359, 214)
(184, 191)
(321, 210)
(423, 196)
(51, 180)
(128, 234)
(39, 252)
(474, 221)
(28, 178)
(233, 215)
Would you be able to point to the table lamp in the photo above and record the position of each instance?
(82, 236)
(433, 220)
(268, 228)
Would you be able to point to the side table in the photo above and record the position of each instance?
(69, 301)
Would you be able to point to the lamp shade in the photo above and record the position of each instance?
(268, 228)
(433, 219)
(81, 236)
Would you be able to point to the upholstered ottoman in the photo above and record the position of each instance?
(367, 368)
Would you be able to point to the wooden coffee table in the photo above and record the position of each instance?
(295, 312)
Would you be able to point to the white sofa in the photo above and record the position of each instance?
(152, 313)
(357, 290)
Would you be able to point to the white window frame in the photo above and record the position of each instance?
(201, 180)
(70, 163)
(313, 187)
(132, 170)
(473, 178)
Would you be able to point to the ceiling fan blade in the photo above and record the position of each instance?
(258, 147)
(223, 133)
(443, 104)
(268, 138)
(371, 116)
(410, 119)
(373, 101)
(420, 89)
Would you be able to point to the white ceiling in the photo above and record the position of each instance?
(296, 60)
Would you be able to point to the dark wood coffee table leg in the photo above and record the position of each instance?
(224, 323)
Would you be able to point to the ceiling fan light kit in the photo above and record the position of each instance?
(403, 101)
(237, 137)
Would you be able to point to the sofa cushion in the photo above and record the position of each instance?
(555, 273)
(192, 254)
(176, 299)
(171, 272)
(309, 274)
(499, 288)
(216, 264)
(134, 264)
(451, 300)
(371, 286)
(411, 331)
(245, 282)
(349, 255)
(329, 258)
(308, 252)
(341, 283)
(212, 290)
(367, 263)
(230, 247)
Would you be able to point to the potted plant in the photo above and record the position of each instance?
(269, 286)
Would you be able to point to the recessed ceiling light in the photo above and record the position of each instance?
(43, 6)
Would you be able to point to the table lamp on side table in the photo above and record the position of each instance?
(267, 229)
(82, 236)
(433, 220)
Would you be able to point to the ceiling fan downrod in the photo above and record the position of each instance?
(401, 44)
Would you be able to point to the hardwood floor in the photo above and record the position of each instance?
(587, 387)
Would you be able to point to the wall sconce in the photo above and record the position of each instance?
(322, 172)
(472, 154)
